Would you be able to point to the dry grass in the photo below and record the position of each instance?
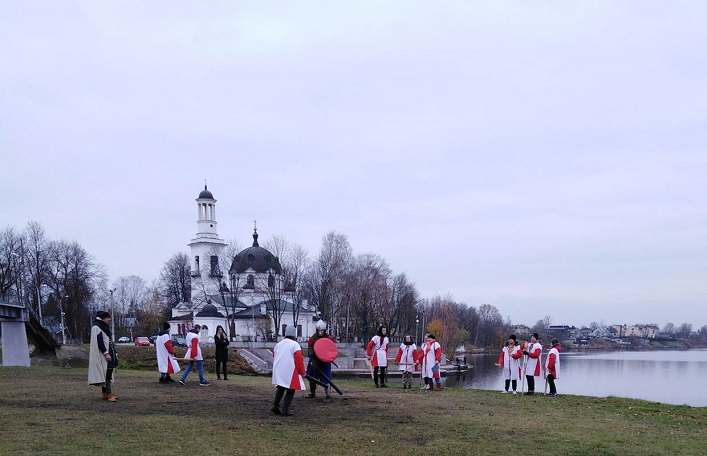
(51, 410)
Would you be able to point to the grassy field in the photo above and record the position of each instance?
(51, 410)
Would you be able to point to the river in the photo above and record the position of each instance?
(671, 377)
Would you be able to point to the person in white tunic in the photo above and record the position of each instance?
(377, 352)
(509, 360)
(287, 371)
(405, 359)
(166, 361)
(552, 366)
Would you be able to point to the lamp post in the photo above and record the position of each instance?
(423, 323)
(63, 327)
(417, 324)
(112, 324)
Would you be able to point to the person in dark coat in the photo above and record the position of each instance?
(221, 342)
(102, 359)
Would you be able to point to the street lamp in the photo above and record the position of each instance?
(112, 324)
(63, 328)
(423, 323)
(417, 323)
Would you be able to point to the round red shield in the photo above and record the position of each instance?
(325, 349)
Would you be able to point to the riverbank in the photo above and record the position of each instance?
(51, 410)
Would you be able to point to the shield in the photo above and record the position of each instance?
(325, 349)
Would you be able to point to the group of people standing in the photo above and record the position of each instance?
(522, 361)
(409, 359)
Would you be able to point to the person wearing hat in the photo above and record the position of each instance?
(102, 358)
(316, 368)
(532, 365)
(166, 356)
(509, 360)
(552, 366)
(287, 371)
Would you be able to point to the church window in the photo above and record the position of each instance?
(215, 271)
(196, 264)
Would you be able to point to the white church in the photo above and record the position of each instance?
(246, 302)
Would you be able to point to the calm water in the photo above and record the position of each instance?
(671, 377)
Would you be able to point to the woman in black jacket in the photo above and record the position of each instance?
(221, 341)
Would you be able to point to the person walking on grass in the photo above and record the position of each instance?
(166, 356)
(194, 356)
(102, 359)
(429, 359)
(377, 352)
(509, 360)
(532, 366)
(552, 366)
(221, 342)
(405, 359)
(287, 371)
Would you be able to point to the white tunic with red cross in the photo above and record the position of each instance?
(430, 358)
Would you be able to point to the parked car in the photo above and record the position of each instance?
(179, 342)
(153, 339)
(142, 341)
(123, 340)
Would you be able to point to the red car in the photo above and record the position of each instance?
(142, 341)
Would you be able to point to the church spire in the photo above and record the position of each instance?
(255, 233)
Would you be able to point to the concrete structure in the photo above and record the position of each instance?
(15, 349)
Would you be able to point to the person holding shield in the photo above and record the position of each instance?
(377, 352)
(317, 368)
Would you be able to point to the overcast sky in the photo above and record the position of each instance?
(548, 158)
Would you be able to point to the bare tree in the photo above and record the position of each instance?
(37, 263)
(10, 264)
(175, 280)
(293, 260)
(73, 278)
(326, 276)
(684, 331)
(131, 295)
(490, 321)
(669, 329)
(541, 327)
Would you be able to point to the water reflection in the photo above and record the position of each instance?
(673, 377)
